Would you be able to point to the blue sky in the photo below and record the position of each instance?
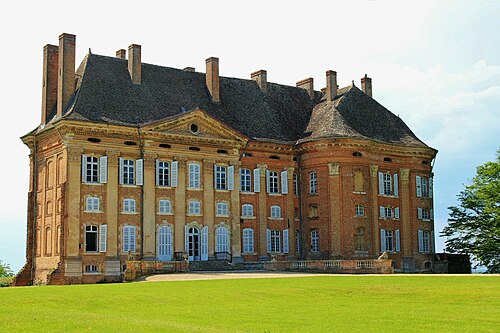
(434, 63)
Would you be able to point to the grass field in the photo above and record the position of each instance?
(306, 304)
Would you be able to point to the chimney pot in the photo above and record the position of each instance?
(366, 85)
(212, 78)
(49, 85)
(331, 85)
(66, 71)
(134, 63)
(308, 85)
(121, 53)
(260, 77)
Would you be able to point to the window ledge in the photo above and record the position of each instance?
(359, 192)
(93, 184)
(276, 218)
(129, 213)
(360, 216)
(194, 189)
(194, 215)
(164, 187)
(388, 196)
(248, 217)
(426, 220)
(313, 194)
(246, 192)
(93, 211)
(275, 194)
(92, 273)
(222, 191)
(221, 215)
(129, 185)
(166, 213)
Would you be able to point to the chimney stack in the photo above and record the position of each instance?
(66, 72)
(121, 53)
(366, 85)
(134, 63)
(331, 85)
(49, 85)
(261, 78)
(212, 78)
(308, 85)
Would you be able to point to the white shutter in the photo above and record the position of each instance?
(139, 172)
(186, 245)
(120, 170)
(215, 176)
(284, 184)
(230, 178)
(204, 243)
(396, 187)
(126, 239)
(419, 213)
(285, 241)
(431, 187)
(398, 242)
(256, 180)
(103, 169)
(103, 237)
(132, 238)
(419, 186)
(157, 170)
(420, 241)
(380, 183)
(382, 240)
(382, 212)
(268, 184)
(396, 212)
(84, 168)
(268, 237)
(174, 173)
(432, 214)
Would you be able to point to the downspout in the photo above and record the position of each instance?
(141, 148)
(301, 220)
(35, 191)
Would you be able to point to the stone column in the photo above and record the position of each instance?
(289, 214)
(335, 209)
(263, 213)
(149, 207)
(111, 208)
(235, 216)
(375, 211)
(209, 204)
(180, 205)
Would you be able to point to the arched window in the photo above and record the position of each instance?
(247, 210)
(222, 209)
(164, 206)
(275, 212)
(248, 240)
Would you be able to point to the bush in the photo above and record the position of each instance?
(6, 281)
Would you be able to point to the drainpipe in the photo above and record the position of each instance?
(35, 190)
(301, 219)
(141, 148)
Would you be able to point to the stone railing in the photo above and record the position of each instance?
(138, 268)
(354, 266)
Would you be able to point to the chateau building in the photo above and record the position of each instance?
(133, 161)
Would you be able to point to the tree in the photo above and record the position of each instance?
(474, 226)
(5, 270)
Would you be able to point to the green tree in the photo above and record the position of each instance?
(5, 270)
(474, 226)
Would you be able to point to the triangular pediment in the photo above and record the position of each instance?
(195, 124)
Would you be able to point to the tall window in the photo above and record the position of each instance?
(245, 180)
(295, 185)
(194, 207)
(389, 240)
(164, 206)
(297, 242)
(248, 240)
(220, 177)
(91, 238)
(128, 205)
(360, 210)
(389, 213)
(275, 241)
(387, 184)
(424, 241)
(91, 172)
(222, 209)
(163, 173)
(358, 181)
(313, 183)
(128, 239)
(92, 204)
(194, 175)
(273, 182)
(128, 172)
(275, 212)
(314, 241)
(424, 187)
(360, 239)
(247, 210)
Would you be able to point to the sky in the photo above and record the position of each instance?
(435, 64)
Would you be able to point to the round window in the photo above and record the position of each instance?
(194, 128)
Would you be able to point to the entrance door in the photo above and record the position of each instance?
(164, 243)
(193, 243)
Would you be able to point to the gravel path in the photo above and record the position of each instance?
(223, 275)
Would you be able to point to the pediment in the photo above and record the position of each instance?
(195, 124)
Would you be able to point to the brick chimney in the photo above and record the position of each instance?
(49, 85)
(121, 53)
(134, 63)
(212, 78)
(366, 85)
(261, 78)
(308, 85)
(331, 85)
(66, 71)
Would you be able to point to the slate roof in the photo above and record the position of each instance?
(106, 94)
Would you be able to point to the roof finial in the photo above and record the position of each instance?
(90, 51)
(353, 83)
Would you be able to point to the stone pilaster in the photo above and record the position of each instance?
(180, 206)
(405, 214)
(374, 190)
(73, 201)
(149, 206)
(112, 204)
(290, 213)
(235, 216)
(335, 209)
(262, 214)
(209, 204)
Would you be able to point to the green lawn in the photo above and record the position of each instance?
(304, 304)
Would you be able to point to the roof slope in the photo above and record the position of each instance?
(106, 94)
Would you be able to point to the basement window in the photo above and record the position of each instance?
(130, 143)
(357, 154)
(165, 145)
(194, 128)
(91, 269)
(387, 159)
(274, 157)
(94, 140)
(221, 151)
(194, 148)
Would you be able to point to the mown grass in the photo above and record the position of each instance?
(307, 304)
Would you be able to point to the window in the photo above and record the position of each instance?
(128, 205)
(92, 204)
(424, 187)
(220, 177)
(91, 238)
(272, 182)
(245, 180)
(194, 207)
(358, 181)
(424, 214)
(275, 241)
(360, 239)
(247, 210)
(389, 240)
(194, 175)
(275, 212)
(248, 241)
(313, 211)
(222, 239)
(295, 185)
(313, 183)
(128, 239)
(360, 210)
(314, 241)
(163, 173)
(222, 209)
(164, 206)
(91, 269)
(389, 212)
(128, 172)
(388, 184)
(297, 242)
(91, 167)
(424, 241)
